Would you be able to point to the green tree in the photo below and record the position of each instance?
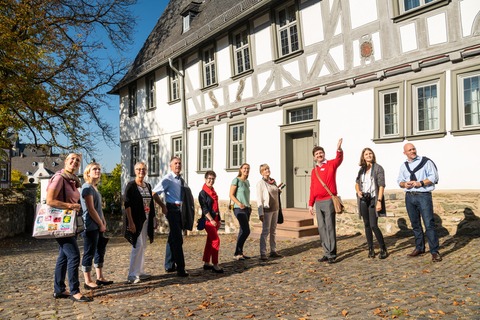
(55, 68)
(111, 190)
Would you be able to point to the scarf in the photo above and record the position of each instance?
(70, 177)
(270, 181)
(211, 192)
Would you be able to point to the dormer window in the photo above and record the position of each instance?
(187, 19)
(190, 12)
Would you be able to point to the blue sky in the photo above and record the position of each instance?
(147, 13)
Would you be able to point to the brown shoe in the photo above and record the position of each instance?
(415, 253)
(436, 257)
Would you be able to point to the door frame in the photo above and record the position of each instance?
(286, 165)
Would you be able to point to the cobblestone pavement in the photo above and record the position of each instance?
(296, 286)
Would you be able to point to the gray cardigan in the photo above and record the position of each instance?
(378, 175)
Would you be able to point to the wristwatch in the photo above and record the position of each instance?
(422, 183)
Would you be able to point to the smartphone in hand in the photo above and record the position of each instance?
(281, 186)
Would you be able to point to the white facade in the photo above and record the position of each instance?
(351, 55)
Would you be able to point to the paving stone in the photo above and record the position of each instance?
(296, 286)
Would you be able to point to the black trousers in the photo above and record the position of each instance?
(370, 221)
(175, 237)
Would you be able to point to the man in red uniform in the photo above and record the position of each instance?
(326, 170)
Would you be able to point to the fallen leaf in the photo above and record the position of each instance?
(250, 316)
(377, 311)
(431, 311)
(426, 271)
(441, 312)
(344, 312)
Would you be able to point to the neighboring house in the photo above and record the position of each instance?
(263, 81)
(37, 163)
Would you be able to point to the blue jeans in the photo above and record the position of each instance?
(92, 248)
(243, 217)
(169, 263)
(420, 206)
(68, 261)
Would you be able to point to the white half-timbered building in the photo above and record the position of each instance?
(222, 82)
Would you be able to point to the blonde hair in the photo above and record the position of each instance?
(87, 170)
(263, 167)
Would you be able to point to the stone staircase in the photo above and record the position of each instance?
(298, 223)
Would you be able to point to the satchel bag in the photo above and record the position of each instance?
(337, 202)
(54, 223)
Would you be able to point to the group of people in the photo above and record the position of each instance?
(65, 191)
(140, 211)
(418, 176)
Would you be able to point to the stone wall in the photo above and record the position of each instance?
(456, 212)
(452, 209)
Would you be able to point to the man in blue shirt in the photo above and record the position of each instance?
(417, 177)
(171, 186)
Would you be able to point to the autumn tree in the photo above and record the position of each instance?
(55, 68)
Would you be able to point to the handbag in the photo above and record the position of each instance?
(280, 213)
(52, 222)
(201, 223)
(337, 202)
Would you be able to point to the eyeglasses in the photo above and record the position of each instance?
(210, 178)
(141, 169)
(97, 169)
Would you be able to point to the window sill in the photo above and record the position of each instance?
(289, 56)
(151, 109)
(388, 140)
(173, 101)
(426, 136)
(465, 132)
(209, 87)
(241, 75)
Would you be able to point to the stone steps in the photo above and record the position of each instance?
(298, 223)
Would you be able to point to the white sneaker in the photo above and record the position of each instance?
(239, 257)
(133, 280)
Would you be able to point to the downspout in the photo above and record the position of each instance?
(181, 77)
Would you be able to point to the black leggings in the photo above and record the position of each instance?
(370, 221)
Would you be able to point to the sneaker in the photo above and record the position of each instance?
(239, 257)
(246, 257)
(145, 276)
(275, 255)
(134, 280)
(263, 257)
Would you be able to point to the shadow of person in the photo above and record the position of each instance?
(467, 229)
(439, 228)
(396, 242)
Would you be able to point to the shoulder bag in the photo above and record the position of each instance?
(337, 202)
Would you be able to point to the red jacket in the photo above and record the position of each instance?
(328, 173)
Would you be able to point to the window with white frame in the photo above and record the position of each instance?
(206, 150)
(134, 157)
(150, 86)
(132, 100)
(426, 106)
(208, 57)
(389, 113)
(174, 83)
(404, 9)
(241, 51)
(177, 147)
(300, 114)
(153, 159)
(236, 145)
(466, 101)
(288, 40)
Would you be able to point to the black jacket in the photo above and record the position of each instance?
(134, 201)
(206, 203)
